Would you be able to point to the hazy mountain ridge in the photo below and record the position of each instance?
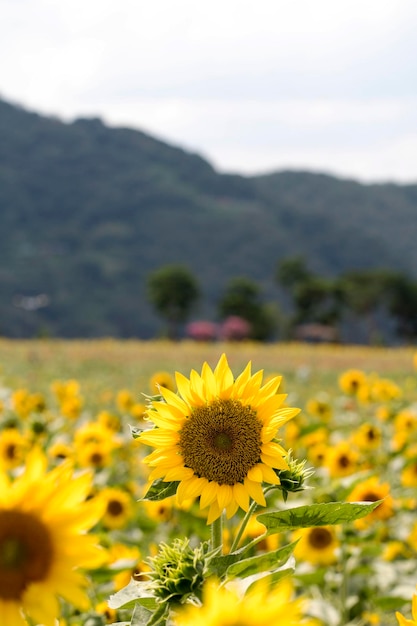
(87, 211)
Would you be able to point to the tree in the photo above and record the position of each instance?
(242, 298)
(291, 272)
(365, 292)
(315, 299)
(402, 304)
(173, 291)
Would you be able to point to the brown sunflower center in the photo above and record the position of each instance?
(320, 538)
(26, 552)
(370, 496)
(222, 441)
(115, 508)
(344, 461)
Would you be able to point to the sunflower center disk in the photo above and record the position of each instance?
(222, 441)
(320, 538)
(26, 552)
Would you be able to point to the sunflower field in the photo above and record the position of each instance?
(220, 484)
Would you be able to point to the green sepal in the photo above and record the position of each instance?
(268, 561)
(315, 515)
(159, 490)
(135, 431)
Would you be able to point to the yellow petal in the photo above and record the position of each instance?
(208, 493)
(241, 496)
(224, 495)
(255, 491)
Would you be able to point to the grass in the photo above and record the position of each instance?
(114, 364)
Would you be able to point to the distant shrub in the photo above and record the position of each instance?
(202, 330)
(235, 328)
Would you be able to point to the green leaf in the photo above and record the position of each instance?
(312, 578)
(268, 561)
(159, 490)
(150, 603)
(140, 616)
(129, 595)
(218, 565)
(391, 603)
(274, 577)
(315, 515)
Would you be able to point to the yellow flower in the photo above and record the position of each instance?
(367, 437)
(161, 379)
(402, 621)
(409, 474)
(103, 609)
(59, 451)
(351, 381)
(138, 411)
(371, 490)
(44, 517)
(119, 507)
(261, 606)
(216, 437)
(341, 460)
(95, 455)
(317, 545)
(13, 447)
(98, 433)
(319, 407)
(125, 400)
(385, 390)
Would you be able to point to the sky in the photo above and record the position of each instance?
(253, 86)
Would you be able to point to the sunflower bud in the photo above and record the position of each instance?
(178, 571)
(293, 479)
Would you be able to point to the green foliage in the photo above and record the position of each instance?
(315, 515)
(242, 298)
(173, 290)
(89, 212)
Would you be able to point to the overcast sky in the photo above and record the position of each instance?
(253, 86)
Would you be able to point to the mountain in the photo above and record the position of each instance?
(87, 211)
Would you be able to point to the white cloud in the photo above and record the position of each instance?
(252, 85)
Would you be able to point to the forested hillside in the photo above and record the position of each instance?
(88, 211)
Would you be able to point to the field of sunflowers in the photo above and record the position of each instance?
(112, 510)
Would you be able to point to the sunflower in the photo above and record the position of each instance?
(119, 507)
(367, 437)
(317, 545)
(351, 381)
(44, 517)
(371, 490)
(161, 379)
(261, 606)
(13, 447)
(216, 437)
(341, 460)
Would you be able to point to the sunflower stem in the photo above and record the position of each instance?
(242, 526)
(245, 521)
(217, 533)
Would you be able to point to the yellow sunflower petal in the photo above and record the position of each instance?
(241, 495)
(214, 512)
(255, 491)
(224, 495)
(208, 493)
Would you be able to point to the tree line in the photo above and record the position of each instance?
(383, 301)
